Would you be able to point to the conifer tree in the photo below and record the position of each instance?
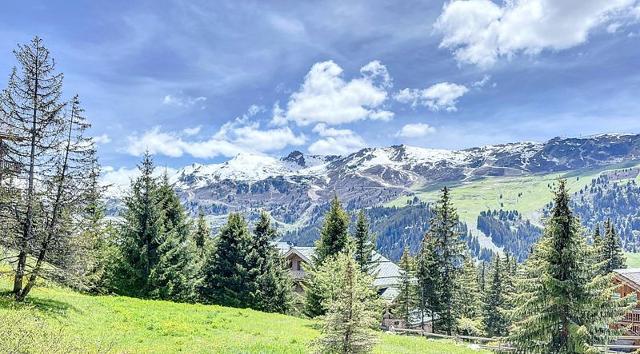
(334, 236)
(352, 312)
(406, 302)
(561, 306)
(364, 243)
(450, 250)
(141, 233)
(201, 237)
(495, 318)
(225, 279)
(271, 284)
(334, 239)
(429, 277)
(174, 275)
(468, 305)
(31, 108)
(611, 254)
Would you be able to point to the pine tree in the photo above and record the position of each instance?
(495, 318)
(353, 311)
(561, 306)
(271, 284)
(173, 276)
(468, 306)
(141, 234)
(31, 108)
(201, 237)
(429, 277)
(334, 239)
(225, 278)
(450, 249)
(334, 236)
(611, 254)
(406, 302)
(364, 244)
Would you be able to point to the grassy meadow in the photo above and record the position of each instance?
(58, 320)
(527, 194)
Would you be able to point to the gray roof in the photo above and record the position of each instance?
(385, 271)
(632, 275)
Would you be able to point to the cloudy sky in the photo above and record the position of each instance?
(201, 81)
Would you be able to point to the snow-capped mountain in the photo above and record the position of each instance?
(296, 187)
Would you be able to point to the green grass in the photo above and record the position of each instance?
(57, 320)
(633, 259)
(527, 194)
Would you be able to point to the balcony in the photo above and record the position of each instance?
(297, 274)
(632, 316)
(9, 166)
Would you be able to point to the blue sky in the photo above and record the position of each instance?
(200, 81)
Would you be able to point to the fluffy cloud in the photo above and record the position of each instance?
(326, 97)
(335, 141)
(232, 138)
(480, 31)
(102, 139)
(181, 100)
(441, 96)
(415, 130)
(192, 131)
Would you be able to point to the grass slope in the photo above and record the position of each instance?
(633, 260)
(527, 194)
(57, 320)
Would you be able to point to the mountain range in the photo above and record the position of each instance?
(295, 189)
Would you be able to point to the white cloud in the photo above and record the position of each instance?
(482, 82)
(441, 96)
(325, 97)
(185, 101)
(481, 31)
(192, 131)
(232, 138)
(119, 180)
(102, 139)
(415, 130)
(335, 141)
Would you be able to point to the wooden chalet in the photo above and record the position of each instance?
(386, 273)
(629, 284)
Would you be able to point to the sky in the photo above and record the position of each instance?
(201, 81)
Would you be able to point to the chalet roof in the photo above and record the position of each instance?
(386, 272)
(630, 276)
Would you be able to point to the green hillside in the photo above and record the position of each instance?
(526, 194)
(57, 320)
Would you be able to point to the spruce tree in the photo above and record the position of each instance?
(334, 239)
(611, 254)
(561, 306)
(141, 233)
(428, 276)
(450, 249)
(406, 300)
(173, 276)
(225, 278)
(468, 304)
(31, 108)
(364, 244)
(201, 237)
(352, 311)
(334, 236)
(271, 285)
(495, 317)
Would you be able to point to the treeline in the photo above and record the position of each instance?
(560, 300)
(158, 252)
(607, 198)
(507, 229)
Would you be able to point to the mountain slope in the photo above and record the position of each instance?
(296, 188)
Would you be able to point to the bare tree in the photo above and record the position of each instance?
(53, 158)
